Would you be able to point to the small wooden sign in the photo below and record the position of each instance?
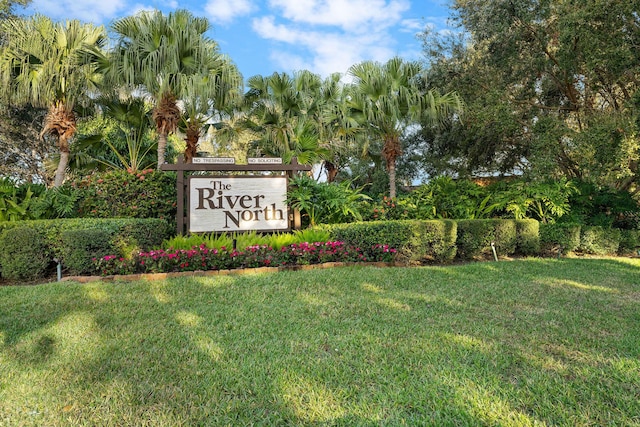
(264, 160)
(214, 160)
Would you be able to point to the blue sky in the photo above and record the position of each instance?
(265, 36)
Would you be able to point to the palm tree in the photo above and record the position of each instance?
(386, 98)
(205, 96)
(340, 130)
(158, 54)
(54, 66)
(285, 114)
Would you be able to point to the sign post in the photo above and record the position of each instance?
(240, 202)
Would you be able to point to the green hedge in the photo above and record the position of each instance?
(441, 240)
(527, 237)
(121, 194)
(559, 238)
(24, 254)
(475, 237)
(125, 235)
(599, 240)
(81, 246)
(629, 242)
(416, 241)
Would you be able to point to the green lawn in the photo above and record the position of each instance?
(533, 342)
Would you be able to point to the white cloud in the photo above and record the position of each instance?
(137, 8)
(225, 11)
(412, 25)
(96, 11)
(329, 36)
(330, 51)
(350, 15)
(293, 62)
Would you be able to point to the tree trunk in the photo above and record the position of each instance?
(392, 178)
(62, 167)
(192, 138)
(390, 152)
(60, 122)
(162, 146)
(331, 169)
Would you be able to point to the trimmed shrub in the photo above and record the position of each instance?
(24, 254)
(415, 241)
(438, 238)
(127, 234)
(599, 240)
(559, 238)
(528, 237)
(80, 247)
(629, 242)
(117, 193)
(141, 234)
(475, 237)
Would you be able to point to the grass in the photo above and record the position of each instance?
(531, 342)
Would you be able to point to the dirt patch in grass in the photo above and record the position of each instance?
(8, 282)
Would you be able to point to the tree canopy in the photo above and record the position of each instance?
(7, 8)
(51, 65)
(387, 99)
(551, 88)
(161, 54)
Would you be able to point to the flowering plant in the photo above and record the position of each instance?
(112, 264)
(203, 258)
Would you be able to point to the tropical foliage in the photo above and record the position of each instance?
(550, 93)
(166, 55)
(284, 114)
(386, 99)
(118, 138)
(54, 66)
(325, 203)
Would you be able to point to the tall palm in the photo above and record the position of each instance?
(229, 135)
(158, 54)
(386, 98)
(340, 131)
(206, 96)
(284, 116)
(54, 66)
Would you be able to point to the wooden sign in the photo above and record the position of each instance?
(234, 203)
(237, 203)
(214, 160)
(264, 160)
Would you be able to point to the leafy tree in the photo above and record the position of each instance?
(54, 66)
(491, 137)
(385, 99)
(160, 54)
(551, 88)
(7, 8)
